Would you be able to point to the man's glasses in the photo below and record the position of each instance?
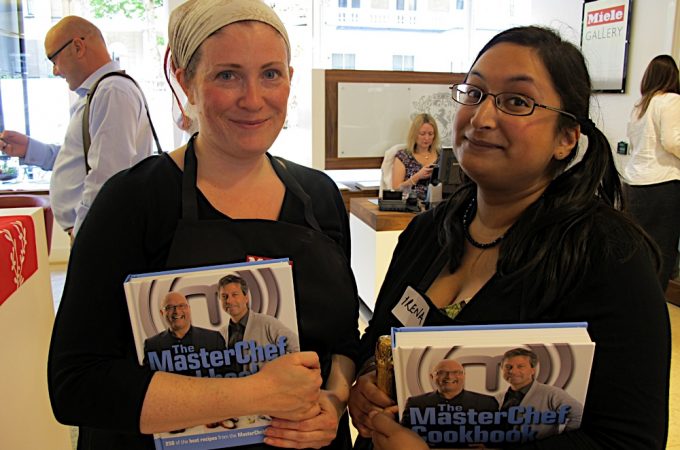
(441, 373)
(507, 102)
(61, 49)
(173, 308)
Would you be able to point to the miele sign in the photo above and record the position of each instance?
(604, 39)
(606, 16)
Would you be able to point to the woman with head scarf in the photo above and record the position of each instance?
(219, 199)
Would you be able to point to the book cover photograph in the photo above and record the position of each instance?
(216, 321)
(491, 385)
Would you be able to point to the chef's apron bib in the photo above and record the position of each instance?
(322, 278)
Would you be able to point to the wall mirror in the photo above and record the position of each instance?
(369, 111)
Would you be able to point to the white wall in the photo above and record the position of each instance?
(651, 34)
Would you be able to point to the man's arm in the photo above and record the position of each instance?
(562, 398)
(28, 150)
(120, 137)
(292, 339)
(275, 328)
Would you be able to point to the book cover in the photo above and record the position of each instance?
(461, 387)
(216, 321)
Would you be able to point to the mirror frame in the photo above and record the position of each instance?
(333, 77)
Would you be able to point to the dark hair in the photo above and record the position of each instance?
(533, 359)
(228, 279)
(546, 251)
(661, 76)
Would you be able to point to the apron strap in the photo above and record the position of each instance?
(295, 188)
(189, 201)
(189, 197)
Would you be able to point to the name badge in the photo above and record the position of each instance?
(411, 309)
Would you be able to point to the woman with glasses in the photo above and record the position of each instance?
(535, 235)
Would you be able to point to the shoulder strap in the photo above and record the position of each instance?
(86, 114)
(291, 183)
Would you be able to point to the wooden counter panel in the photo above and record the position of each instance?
(347, 195)
(379, 220)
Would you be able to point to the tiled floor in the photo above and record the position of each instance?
(59, 275)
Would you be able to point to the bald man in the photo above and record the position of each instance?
(180, 337)
(449, 377)
(119, 129)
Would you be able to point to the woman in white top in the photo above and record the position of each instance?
(653, 173)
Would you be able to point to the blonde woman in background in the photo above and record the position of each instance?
(413, 166)
(653, 173)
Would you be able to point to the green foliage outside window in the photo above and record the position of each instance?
(128, 8)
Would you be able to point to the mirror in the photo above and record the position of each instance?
(375, 108)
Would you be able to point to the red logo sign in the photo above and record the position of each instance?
(606, 16)
(18, 258)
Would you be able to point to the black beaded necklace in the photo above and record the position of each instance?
(467, 219)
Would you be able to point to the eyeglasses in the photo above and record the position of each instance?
(173, 308)
(61, 49)
(441, 373)
(507, 102)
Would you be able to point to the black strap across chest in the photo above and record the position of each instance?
(86, 114)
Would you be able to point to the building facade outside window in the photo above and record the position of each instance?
(425, 35)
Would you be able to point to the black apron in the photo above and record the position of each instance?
(325, 291)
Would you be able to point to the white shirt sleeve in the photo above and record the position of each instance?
(40, 154)
(669, 124)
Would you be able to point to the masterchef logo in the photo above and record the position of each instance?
(606, 16)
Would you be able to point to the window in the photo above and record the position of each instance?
(342, 61)
(28, 5)
(348, 34)
(408, 5)
(402, 62)
(441, 6)
(26, 78)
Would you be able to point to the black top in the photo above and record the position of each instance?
(94, 377)
(627, 401)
